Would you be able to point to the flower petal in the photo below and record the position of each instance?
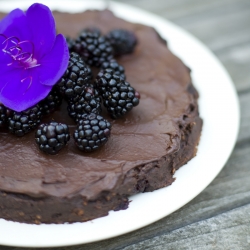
(54, 64)
(5, 60)
(25, 83)
(42, 25)
(15, 24)
(21, 89)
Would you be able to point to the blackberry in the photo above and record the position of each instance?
(95, 30)
(20, 123)
(4, 114)
(52, 137)
(92, 132)
(51, 102)
(77, 76)
(123, 41)
(94, 48)
(70, 42)
(118, 96)
(117, 68)
(86, 103)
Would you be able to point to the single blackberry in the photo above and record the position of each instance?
(20, 123)
(93, 48)
(88, 102)
(52, 137)
(5, 113)
(77, 76)
(118, 96)
(92, 132)
(51, 102)
(122, 41)
(116, 67)
(70, 42)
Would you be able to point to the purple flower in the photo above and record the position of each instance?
(32, 56)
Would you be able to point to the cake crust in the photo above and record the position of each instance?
(145, 149)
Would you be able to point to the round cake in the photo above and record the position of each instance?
(145, 148)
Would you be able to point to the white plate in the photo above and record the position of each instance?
(218, 107)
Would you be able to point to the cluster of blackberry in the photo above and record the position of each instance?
(118, 96)
(83, 95)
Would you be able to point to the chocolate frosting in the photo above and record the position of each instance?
(151, 133)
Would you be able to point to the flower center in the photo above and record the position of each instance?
(21, 52)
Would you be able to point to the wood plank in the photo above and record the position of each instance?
(236, 60)
(244, 134)
(227, 231)
(176, 10)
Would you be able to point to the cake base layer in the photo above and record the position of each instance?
(145, 149)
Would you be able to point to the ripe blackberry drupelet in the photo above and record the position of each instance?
(52, 137)
(86, 103)
(20, 123)
(92, 132)
(77, 76)
(118, 96)
(51, 102)
(116, 67)
(122, 41)
(93, 48)
(5, 113)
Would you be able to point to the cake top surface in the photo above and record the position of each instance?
(149, 132)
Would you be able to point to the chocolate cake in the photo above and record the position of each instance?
(145, 149)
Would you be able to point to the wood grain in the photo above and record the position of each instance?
(218, 218)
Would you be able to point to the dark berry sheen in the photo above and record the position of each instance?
(93, 30)
(5, 113)
(70, 42)
(50, 103)
(20, 123)
(93, 48)
(86, 103)
(116, 67)
(52, 137)
(118, 96)
(122, 41)
(92, 132)
(77, 76)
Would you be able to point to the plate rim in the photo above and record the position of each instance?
(118, 9)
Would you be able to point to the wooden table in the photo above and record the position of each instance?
(218, 218)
